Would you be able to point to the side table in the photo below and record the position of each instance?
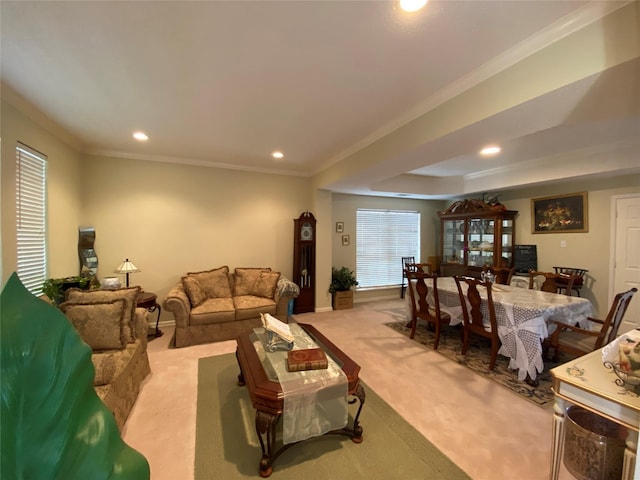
(148, 300)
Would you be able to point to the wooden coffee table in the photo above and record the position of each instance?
(268, 399)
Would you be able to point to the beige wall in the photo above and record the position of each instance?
(170, 219)
(588, 250)
(63, 196)
(344, 210)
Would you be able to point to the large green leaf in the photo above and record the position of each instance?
(53, 424)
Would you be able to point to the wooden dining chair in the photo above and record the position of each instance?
(565, 272)
(422, 309)
(579, 341)
(405, 261)
(550, 282)
(474, 320)
(502, 274)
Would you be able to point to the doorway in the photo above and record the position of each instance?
(625, 258)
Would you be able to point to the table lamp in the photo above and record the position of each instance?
(127, 267)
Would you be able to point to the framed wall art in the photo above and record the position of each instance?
(345, 240)
(560, 214)
(339, 227)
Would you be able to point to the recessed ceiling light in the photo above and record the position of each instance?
(412, 5)
(277, 154)
(490, 150)
(140, 136)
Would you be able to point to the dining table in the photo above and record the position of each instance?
(522, 316)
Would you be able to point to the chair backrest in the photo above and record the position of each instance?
(614, 317)
(419, 292)
(550, 281)
(469, 290)
(407, 261)
(503, 274)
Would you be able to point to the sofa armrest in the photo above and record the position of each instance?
(285, 291)
(177, 302)
(142, 324)
(286, 288)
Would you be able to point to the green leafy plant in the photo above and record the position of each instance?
(342, 279)
(54, 288)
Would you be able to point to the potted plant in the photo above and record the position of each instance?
(342, 279)
(54, 288)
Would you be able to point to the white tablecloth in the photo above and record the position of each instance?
(522, 317)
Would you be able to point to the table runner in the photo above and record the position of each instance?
(315, 401)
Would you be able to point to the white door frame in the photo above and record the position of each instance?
(612, 241)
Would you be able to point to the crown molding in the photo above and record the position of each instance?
(193, 162)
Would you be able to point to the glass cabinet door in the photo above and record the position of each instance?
(507, 241)
(481, 242)
(453, 241)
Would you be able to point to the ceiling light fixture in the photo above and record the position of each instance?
(490, 150)
(140, 136)
(277, 154)
(412, 5)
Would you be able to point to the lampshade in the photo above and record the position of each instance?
(127, 267)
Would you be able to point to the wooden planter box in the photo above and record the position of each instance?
(343, 300)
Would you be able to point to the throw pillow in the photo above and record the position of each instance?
(129, 295)
(193, 290)
(105, 367)
(246, 279)
(266, 284)
(99, 324)
(214, 283)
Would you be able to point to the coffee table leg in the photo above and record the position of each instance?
(357, 429)
(266, 427)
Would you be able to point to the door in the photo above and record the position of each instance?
(626, 268)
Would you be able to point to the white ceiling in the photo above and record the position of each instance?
(226, 83)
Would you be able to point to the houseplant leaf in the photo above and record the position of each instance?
(53, 425)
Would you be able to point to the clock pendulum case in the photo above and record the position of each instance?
(304, 261)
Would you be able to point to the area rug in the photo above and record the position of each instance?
(477, 359)
(227, 446)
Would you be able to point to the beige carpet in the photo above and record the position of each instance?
(227, 447)
(486, 430)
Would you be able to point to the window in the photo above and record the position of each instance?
(31, 195)
(383, 237)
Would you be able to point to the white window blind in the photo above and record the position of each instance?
(31, 195)
(383, 237)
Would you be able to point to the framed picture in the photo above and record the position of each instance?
(345, 240)
(339, 227)
(560, 214)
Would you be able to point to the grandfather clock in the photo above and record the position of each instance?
(304, 261)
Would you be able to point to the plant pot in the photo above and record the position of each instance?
(343, 300)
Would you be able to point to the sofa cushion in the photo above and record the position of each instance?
(105, 367)
(193, 290)
(246, 279)
(99, 324)
(214, 283)
(213, 310)
(129, 295)
(249, 306)
(265, 285)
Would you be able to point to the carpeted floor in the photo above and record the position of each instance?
(227, 447)
(477, 359)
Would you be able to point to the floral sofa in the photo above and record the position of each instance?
(109, 322)
(217, 305)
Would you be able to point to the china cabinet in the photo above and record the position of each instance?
(474, 234)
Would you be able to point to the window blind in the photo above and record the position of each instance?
(383, 237)
(31, 173)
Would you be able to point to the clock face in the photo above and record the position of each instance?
(306, 232)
